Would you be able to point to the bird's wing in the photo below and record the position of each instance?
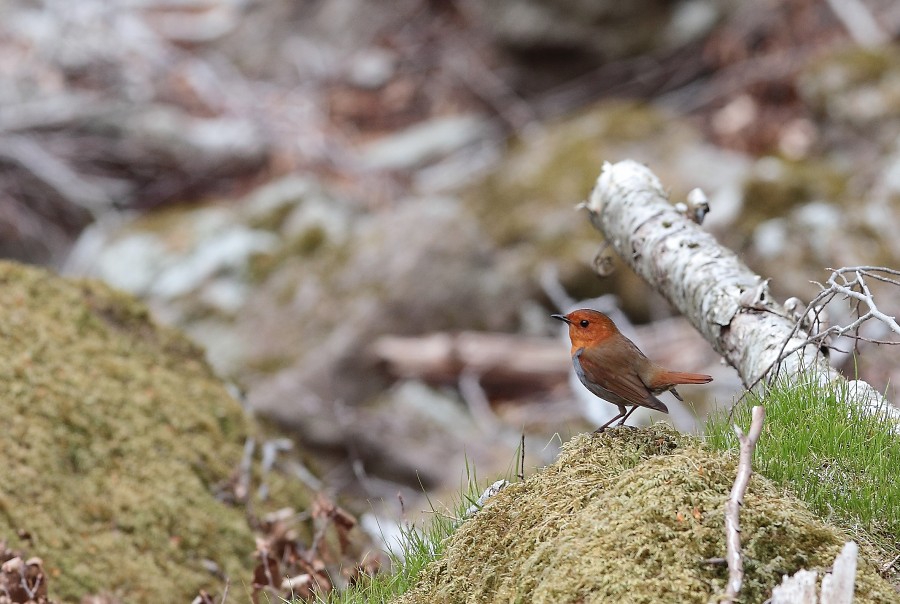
(626, 384)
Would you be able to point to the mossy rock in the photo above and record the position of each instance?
(631, 516)
(116, 436)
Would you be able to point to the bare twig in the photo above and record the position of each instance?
(245, 469)
(838, 285)
(318, 536)
(890, 564)
(264, 556)
(57, 111)
(449, 517)
(548, 278)
(270, 450)
(488, 493)
(31, 590)
(225, 591)
(487, 85)
(736, 500)
(54, 173)
(521, 474)
(475, 398)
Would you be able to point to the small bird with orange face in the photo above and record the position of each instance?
(612, 367)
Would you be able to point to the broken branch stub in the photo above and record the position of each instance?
(837, 586)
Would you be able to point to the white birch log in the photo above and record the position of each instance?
(797, 589)
(837, 586)
(729, 304)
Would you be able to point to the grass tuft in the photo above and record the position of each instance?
(418, 546)
(843, 460)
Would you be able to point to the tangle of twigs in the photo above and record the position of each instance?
(847, 283)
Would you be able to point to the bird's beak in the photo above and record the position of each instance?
(562, 318)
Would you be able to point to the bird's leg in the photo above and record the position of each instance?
(609, 423)
(627, 415)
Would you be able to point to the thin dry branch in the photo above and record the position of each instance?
(501, 361)
(478, 402)
(736, 500)
(55, 173)
(839, 286)
(521, 474)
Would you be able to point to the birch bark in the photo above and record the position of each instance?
(729, 304)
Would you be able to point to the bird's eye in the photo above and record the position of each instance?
(584, 323)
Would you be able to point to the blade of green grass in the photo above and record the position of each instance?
(419, 546)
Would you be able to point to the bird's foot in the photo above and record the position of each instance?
(603, 429)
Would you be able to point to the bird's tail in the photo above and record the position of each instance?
(678, 377)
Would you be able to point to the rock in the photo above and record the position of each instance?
(423, 266)
(425, 142)
(267, 205)
(133, 263)
(117, 439)
(372, 68)
(771, 237)
(208, 254)
(224, 250)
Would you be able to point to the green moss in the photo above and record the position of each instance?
(833, 74)
(309, 241)
(557, 169)
(630, 516)
(796, 184)
(306, 244)
(274, 219)
(261, 266)
(115, 435)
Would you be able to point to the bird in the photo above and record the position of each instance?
(613, 368)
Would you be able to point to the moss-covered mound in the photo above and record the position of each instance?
(115, 437)
(631, 516)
